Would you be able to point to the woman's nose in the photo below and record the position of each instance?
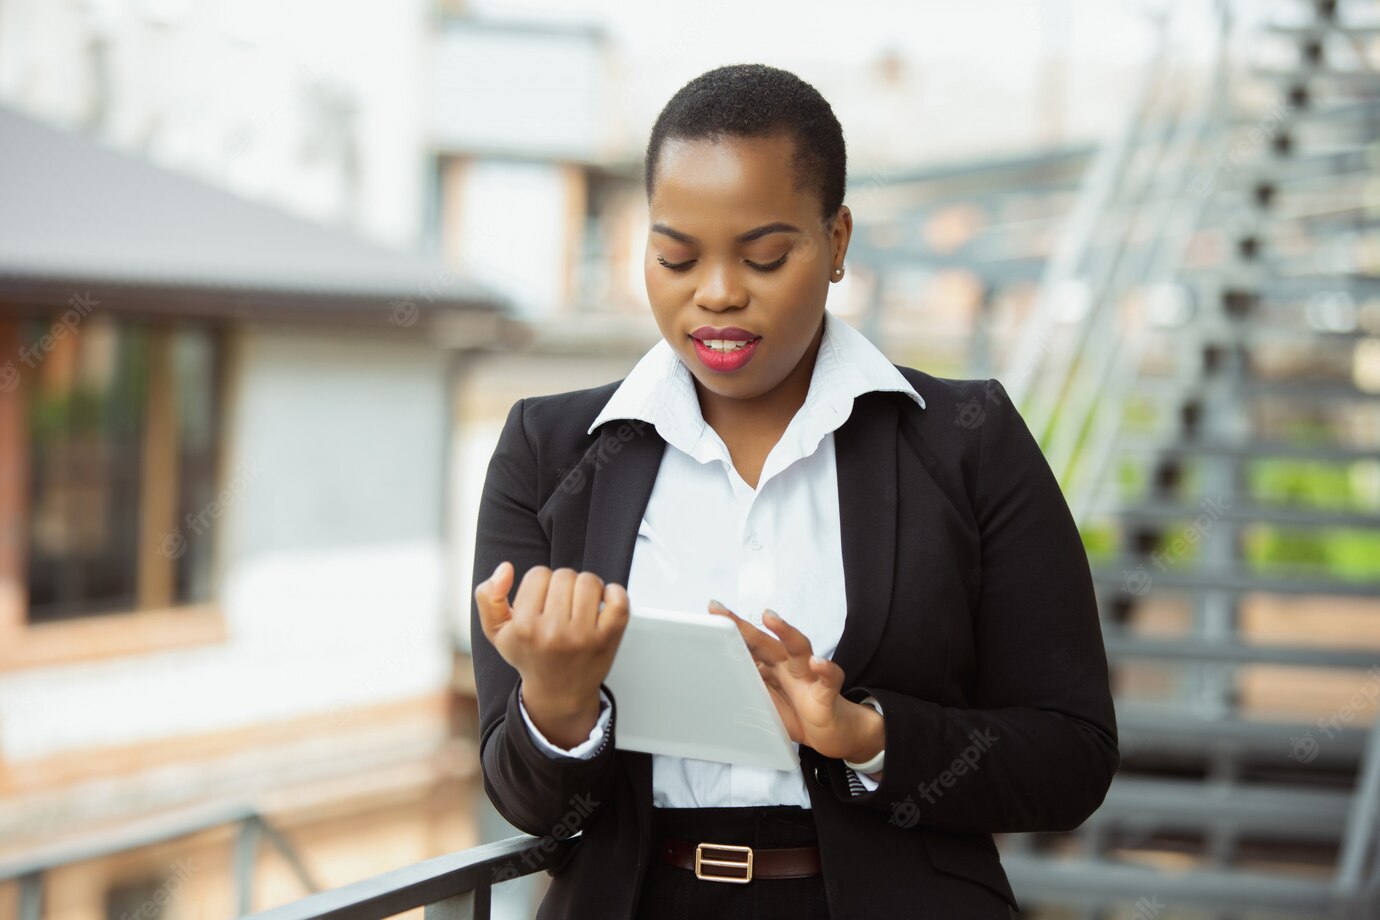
(719, 289)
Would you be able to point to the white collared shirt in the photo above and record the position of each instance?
(776, 546)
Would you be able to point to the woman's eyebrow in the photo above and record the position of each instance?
(748, 237)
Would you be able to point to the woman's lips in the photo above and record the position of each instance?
(725, 361)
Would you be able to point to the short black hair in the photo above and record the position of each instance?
(756, 100)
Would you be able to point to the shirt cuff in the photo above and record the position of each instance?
(586, 749)
(858, 783)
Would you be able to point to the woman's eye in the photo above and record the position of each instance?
(771, 267)
(677, 266)
(684, 266)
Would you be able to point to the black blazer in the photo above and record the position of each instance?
(971, 617)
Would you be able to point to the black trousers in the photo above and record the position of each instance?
(672, 893)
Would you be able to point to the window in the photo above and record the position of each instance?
(118, 423)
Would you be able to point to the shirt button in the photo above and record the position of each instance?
(755, 543)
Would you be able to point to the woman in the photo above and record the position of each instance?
(892, 546)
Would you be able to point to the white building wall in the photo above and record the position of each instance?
(513, 232)
(530, 90)
(331, 555)
(305, 104)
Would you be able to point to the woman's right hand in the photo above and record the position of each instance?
(559, 640)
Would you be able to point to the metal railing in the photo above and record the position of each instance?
(1076, 358)
(457, 886)
(30, 871)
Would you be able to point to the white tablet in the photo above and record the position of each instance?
(686, 685)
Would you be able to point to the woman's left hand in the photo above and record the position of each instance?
(804, 688)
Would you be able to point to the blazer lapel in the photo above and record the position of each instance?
(865, 454)
(626, 459)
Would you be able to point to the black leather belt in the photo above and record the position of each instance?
(726, 862)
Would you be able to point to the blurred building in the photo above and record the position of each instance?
(224, 440)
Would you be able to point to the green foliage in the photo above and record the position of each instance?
(1341, 552)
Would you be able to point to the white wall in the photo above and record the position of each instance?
(513, 233)
(305, 104)
(332, 580)
(535, 91)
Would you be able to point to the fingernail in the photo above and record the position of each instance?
(496, 568)
(773, 613)
(714, 603)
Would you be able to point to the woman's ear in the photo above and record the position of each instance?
(841, 231)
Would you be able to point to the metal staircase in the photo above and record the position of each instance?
(1211, 404)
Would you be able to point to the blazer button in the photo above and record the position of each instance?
(821, 775)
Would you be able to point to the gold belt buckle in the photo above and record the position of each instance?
(701, 860)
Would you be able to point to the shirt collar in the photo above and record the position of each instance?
(660, 390)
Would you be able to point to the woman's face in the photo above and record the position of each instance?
(734, 243)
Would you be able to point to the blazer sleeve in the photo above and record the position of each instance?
(535, 790)
(1037, 748)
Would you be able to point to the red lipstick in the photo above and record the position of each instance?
(728, 333)
(730, 359)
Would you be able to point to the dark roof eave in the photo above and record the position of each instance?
(208, 299)
(463, 323)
